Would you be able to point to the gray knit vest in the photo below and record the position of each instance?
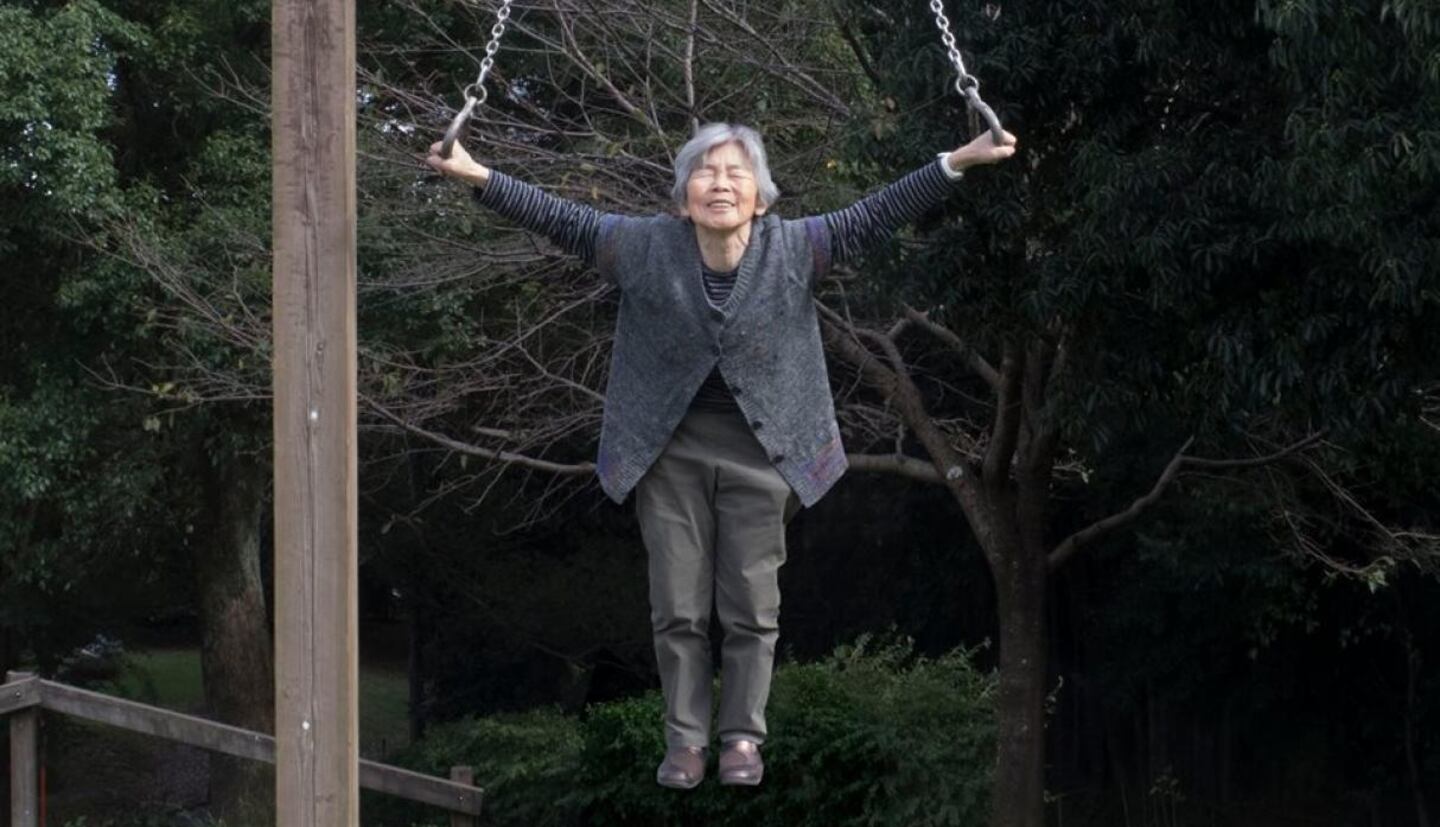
(765, 337)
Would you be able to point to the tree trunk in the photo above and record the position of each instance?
(9, 658)
(1018, 794)
(1412, 763)
(236, 659)
(415, 666)
(418, 613)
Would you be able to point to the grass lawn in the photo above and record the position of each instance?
(162, 677)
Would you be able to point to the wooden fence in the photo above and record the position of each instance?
(23, 697)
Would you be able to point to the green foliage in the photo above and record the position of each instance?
(873, 735)
(92, 482)
(524, 762)
(56, 70)
(1229, 208)
(1203, 617)
(1189, 555)
(1355, 200)
(76, 495)
(870, 736)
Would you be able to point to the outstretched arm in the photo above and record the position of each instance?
(877, 216)
(572, 226)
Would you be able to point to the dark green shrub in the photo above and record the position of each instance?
(870, 736)
(526, 763)
(873, 735)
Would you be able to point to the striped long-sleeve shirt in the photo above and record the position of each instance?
(849, 232)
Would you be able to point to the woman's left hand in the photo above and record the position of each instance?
(983, 150)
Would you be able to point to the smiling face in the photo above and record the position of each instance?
(721, 194)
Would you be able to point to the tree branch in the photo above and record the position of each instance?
(1038, 443)
(905, 466)
(977, 363)
(949, 467)
(1085, 536)
(792, 74)
(1430, 406)
(1008, 416)
(848, 35)
(576, 54)
(476, 451)
(689, 66)
(1254, 462)
(849, 347)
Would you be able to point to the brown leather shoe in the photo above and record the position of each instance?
(682, 769)
(740, 764)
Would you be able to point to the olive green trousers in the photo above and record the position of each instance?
(712, 511)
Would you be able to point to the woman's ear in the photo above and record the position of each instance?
(761, 207)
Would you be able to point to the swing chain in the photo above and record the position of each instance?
(965, 83)
(943, 23)
(476, 93)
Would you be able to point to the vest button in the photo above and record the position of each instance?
(777, 459)
(757, 424)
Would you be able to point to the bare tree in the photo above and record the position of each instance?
(596, 96)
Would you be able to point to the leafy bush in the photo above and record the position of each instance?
(873, 735)
(870, 736)
(526, 763)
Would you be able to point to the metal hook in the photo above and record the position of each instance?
(461, 118)
(971, 91)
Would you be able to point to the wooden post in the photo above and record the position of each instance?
(313, 145)
(462, 775)
(24, 762)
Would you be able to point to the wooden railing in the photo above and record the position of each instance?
(23, 697)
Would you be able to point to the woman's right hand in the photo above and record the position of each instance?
(458, 165)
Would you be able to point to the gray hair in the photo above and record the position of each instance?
(711, 135)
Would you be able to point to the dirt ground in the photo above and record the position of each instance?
(103, 773)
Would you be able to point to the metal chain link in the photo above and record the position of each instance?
(476, 93)
(943, 24)
(965, 83)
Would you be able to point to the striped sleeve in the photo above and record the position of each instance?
(876, 217)
(571, 225)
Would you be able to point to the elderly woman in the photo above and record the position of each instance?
(718, 411)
